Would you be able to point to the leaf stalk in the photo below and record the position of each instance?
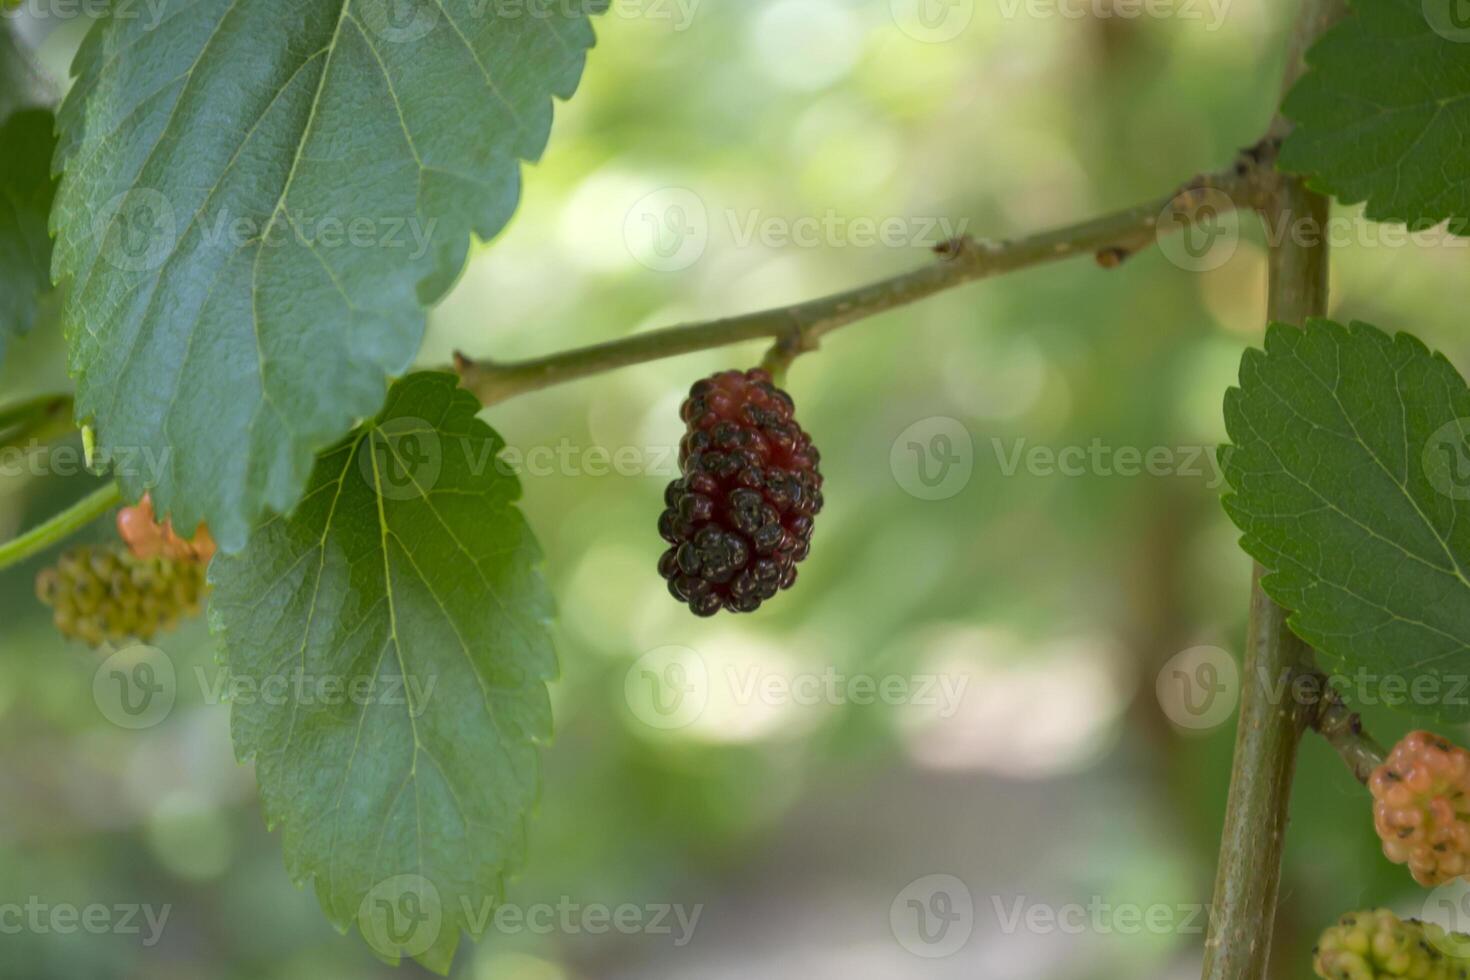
(60, 527)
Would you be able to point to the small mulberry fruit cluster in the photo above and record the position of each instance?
(133, 590)
(739, 519)
(1421, 807)
(1377, 945)
(102, 594)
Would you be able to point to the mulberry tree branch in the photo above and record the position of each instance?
(1111, 239)
(1248, 877)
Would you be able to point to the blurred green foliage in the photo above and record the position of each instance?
(1059, 597)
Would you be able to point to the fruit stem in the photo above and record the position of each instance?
(778, 359)
(1110, 239)
(1343, 730)
(62, 526)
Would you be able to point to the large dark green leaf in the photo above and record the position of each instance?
(1351, 478)
(260, 198)
(1383, 114)
(407, 575)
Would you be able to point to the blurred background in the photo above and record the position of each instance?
(1022, 551)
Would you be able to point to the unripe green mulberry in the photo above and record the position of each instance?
(1377, 945)
(102, 594)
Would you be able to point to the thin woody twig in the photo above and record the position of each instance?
(1111, 239)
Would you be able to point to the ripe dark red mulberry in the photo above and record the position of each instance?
(740, 517)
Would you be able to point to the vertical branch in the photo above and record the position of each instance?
(1248, 877)
(1249, 874)
(1296, 224)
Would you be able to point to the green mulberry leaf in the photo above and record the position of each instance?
(1383, 113)
(1350, 471)
(260, 198)
(388, 653)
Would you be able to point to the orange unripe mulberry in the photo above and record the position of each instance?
(1421, 805)
(147, 538)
